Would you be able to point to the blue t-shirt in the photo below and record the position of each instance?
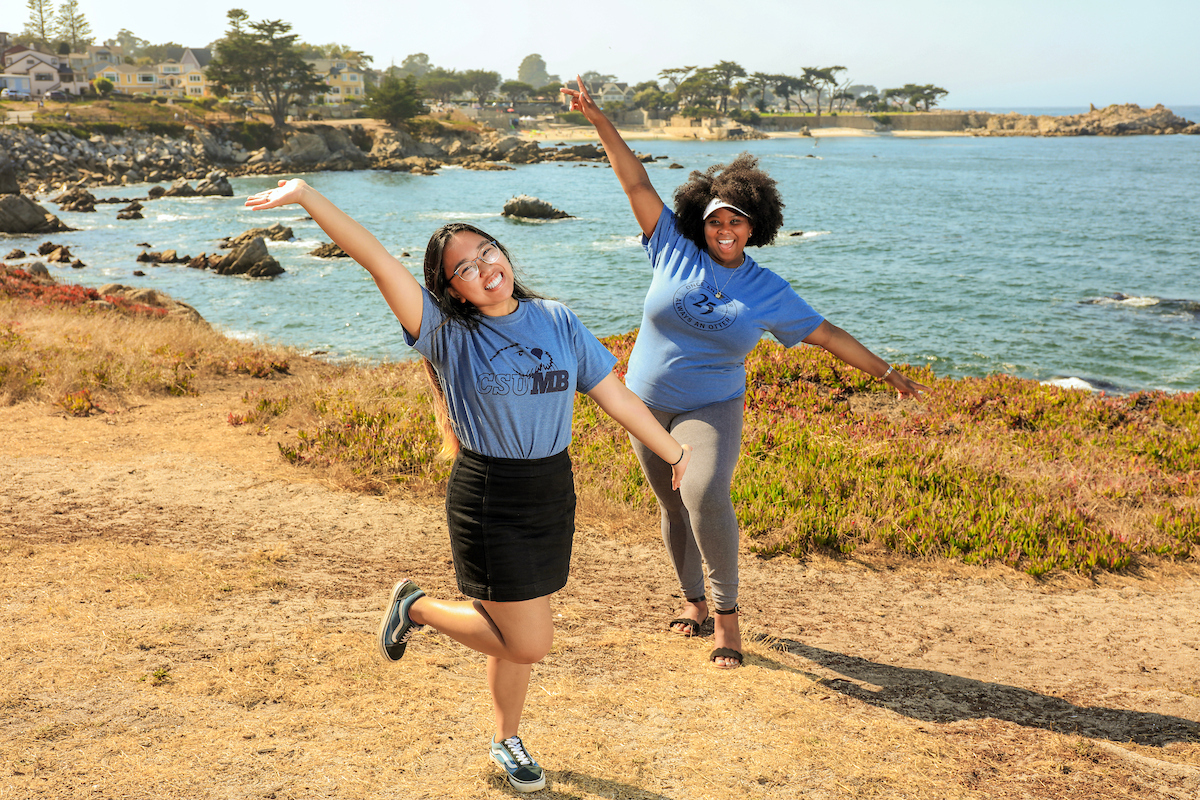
(691, 349)
(510, 385)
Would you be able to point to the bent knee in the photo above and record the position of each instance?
(530, 650)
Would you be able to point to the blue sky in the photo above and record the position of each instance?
(996, 54)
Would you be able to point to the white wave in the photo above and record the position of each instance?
(803, 236)
(175, 217)
(1126, 300)
(241, 336)
(1071, 383)
(622, 243)
(458, 215)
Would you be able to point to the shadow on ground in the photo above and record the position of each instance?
(937, 697)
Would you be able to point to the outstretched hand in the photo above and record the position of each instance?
(581, 100)
(287, 192)
(677, 470)
(905, 386)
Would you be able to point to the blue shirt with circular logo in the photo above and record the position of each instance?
(701, 319)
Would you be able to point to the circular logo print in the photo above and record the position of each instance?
(697, 304)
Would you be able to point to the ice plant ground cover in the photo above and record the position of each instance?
(997, 469)
(982, 470)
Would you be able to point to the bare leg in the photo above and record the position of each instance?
(520, 632)
(509, 683)
(513, 636)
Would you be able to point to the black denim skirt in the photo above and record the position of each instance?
(512, 524)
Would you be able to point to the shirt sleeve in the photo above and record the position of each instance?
(594, 359)
(431, 318)
(793, 319)
(666, 230)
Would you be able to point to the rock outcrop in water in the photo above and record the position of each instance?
(76, 199)
(328, 250)
(19, 214)
(525, 207)
(276, 233)
(1114, 120)
(251, 259)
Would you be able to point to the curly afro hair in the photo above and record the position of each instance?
(740, 183)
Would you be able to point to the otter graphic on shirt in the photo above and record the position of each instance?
(520, 370)
(700, 305)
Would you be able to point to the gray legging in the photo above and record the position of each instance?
(698, 519)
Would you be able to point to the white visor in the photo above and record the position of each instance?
(717, 202)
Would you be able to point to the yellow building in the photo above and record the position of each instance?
(342, 80)
(181, 77)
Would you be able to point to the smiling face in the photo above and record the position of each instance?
(725, 234)
(492, 291)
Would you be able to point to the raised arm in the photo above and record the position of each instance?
(850, 350)
(646, 203)
(397, 285)
(628, 409)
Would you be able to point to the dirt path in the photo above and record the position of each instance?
(184, 613)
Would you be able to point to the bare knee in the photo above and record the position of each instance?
(529, 650)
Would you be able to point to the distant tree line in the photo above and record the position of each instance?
(63, 30)
(267, 58)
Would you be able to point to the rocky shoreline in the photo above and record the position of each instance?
(1115, 120)
(54, 161)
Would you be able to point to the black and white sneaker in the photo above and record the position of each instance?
(396, 628)
(524, 774)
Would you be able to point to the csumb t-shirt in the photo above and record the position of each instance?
(691, 348)
(510, 385)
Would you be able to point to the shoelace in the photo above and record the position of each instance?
(517, 749)
(408, 634)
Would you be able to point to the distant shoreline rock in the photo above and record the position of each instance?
(1115, 120)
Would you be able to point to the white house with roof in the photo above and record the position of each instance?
(32, 71)
(615, 93)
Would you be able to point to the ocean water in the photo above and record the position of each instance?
(1063, 258)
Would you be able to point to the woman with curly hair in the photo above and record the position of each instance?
(708, 305)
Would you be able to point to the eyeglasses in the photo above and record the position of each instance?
(469, 271)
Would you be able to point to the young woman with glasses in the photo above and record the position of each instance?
(708, 305)
(505, 366)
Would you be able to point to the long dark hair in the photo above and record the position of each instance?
(456, 312)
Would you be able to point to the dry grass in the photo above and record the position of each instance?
(55, 353)
(139, 659)
(130, 672)
(145, 672)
